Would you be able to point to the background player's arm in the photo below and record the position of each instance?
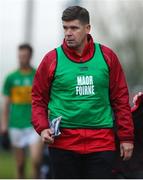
(5, 114)
(6, 104)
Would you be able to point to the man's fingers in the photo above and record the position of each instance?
(136, 97)
(51, 131)
(126, 150)
(127, 155)
(140, 93)
(47, 136)
(48, 140)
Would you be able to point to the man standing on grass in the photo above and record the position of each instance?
(81, 82)
(16, 114)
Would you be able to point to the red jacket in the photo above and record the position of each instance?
(84, 140)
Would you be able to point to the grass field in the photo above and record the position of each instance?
(7, 166)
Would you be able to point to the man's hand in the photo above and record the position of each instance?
(3, 128)
(136, 97)
(46, 135)
(5, 115)
(126, 150)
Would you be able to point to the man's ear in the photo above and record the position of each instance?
(88, 28)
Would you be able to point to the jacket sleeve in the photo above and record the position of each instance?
(41, 91)
(119, 97)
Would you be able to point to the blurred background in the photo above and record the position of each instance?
(115, 23)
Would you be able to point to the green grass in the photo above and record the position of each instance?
(7, 166)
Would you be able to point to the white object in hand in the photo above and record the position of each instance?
(54, 126)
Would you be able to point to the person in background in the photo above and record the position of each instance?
(81, 83)
(16, 113)
(133, 169)
(137, 96)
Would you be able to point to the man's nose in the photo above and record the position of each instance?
(69, 32)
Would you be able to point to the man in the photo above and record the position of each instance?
(133, 168)
(17, 113)
(82, 82)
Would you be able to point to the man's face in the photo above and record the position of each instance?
(75, 32)
(24, 57)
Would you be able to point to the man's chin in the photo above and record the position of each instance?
(70, 45)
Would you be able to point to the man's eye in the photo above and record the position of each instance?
(74, 28)
(65, 28)
(71, 28)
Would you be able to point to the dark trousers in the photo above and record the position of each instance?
(70, 165)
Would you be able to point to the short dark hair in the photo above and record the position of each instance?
(76, 12)
(26, 46)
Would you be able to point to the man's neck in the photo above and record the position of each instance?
(25, 68)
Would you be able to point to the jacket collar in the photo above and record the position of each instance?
(87, 54)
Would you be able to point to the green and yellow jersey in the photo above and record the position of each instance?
(18, 86)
